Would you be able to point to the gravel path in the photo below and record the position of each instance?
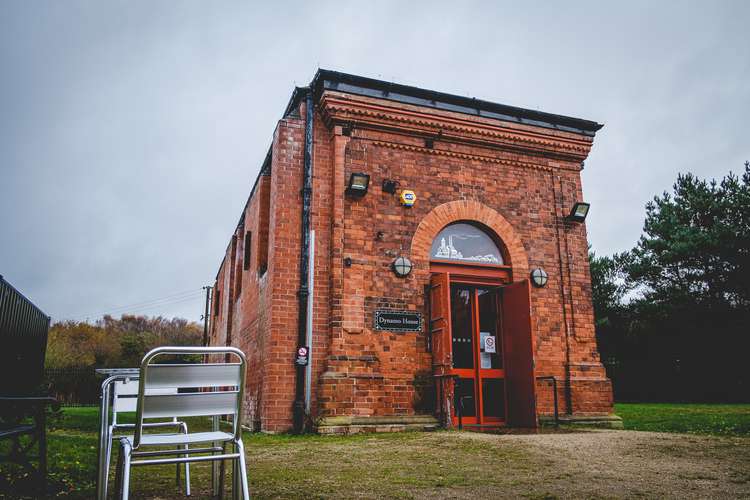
(629, 464)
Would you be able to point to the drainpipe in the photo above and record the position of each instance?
(309, 341)
(559, 202)
(303, 292)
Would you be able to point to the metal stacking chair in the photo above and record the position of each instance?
(205, 389)
(124, 400)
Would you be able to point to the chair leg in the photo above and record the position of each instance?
(187, 465)
(243, 470)
(108, 461)
(222, 471)
(235, 476)
(118, 475)
(42, 443)
(42, 429)
(177, 466)
(215, 463)
(214, 474)
(125, 449)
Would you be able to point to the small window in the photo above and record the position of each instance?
(217, 302)
(248, 253)
(467, 243)
(236, 277)
(264, 216)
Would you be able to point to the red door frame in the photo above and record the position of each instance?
(477, 275)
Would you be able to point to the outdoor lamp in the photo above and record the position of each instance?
(358, 183)
(401, 266)
(539, 277)
(579, 212)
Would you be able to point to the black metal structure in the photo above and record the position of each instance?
(304, 291)
(23, 333)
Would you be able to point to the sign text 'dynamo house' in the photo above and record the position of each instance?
(428, 255)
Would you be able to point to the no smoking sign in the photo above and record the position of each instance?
(303, 356)
(489, 345)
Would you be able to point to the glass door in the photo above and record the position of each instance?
(491, 371)
(463, 353)
(477, 358)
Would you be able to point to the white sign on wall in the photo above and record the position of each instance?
(487, 344)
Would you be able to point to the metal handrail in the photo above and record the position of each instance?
(554, 390)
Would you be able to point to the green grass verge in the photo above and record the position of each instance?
(715, 419)
(283, 466)
(400, 465)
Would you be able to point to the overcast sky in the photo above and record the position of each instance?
(131, 132)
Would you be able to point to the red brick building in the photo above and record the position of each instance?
(457, 324)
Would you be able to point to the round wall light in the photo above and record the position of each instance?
(401, 266)
(539, 277)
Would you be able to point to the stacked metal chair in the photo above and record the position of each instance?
(195, 390)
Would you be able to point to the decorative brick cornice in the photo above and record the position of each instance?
(463, 156)
(451, 127)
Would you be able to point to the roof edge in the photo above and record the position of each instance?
(344, 82)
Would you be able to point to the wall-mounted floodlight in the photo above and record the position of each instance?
(358, 183)
(579, 212)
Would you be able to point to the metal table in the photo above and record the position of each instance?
(112, 376)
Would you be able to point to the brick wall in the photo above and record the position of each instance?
(519, 181)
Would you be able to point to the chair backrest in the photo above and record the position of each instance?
(125, 398)
(200, 389)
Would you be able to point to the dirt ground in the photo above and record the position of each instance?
(629, 464)
(448, 464)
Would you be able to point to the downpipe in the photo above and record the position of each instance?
(304, 291)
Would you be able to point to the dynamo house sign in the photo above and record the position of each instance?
(398, 321)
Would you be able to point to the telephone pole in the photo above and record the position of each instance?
(205, 315)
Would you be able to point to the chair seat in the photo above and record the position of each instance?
(176, 438)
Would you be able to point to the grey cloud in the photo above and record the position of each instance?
(131, 132)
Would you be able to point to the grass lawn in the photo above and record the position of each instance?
(446, 464)
(716, 419)
(376, 465)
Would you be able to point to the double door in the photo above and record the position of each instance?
(477, 354)
(483, 348)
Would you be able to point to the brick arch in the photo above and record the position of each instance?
(468, 210)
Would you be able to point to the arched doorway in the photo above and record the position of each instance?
(480, 329)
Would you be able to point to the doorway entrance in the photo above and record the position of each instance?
(480, 327)
(479, 390)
